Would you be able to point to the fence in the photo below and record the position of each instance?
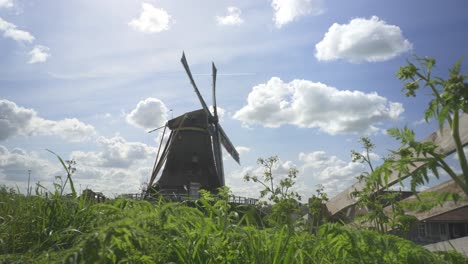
(185, 197)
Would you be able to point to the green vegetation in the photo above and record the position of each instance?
(285, 200)
(449, 101)
(61, 229)
(376, 196)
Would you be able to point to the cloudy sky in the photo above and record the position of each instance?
(301, 79)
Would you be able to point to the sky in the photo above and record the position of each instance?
(301, 79)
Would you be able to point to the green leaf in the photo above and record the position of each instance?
(68, 172)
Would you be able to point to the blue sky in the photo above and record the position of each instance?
(301, 79)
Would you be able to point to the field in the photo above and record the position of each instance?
(63, 229)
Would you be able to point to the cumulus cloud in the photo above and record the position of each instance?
(315, 105)
(6, 3)
(287, 11)
(115, 152)
(17, 163)
(16, 120)
(362, 39)
(118, 166)
(151, 20)
(315, 168)
(235, 179)
(39, 54)
(10, 31)
(325, 167)
(242, 150)
(233, 17)
(221, 112)
(330, 171)
(112, 181)
(149, 114)
(235, 182)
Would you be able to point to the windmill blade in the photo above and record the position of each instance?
(187, 69)
(214, 71)
(151, 131)
(227, 144)
(218, 158)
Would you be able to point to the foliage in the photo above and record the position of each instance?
(285, 200)
(276, 191)
(68, 166)
(449, 101)
(360, 157)
(375, 196)
(317, 209)
(369, 197)
(129, 231)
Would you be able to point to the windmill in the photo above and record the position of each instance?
(192, 158)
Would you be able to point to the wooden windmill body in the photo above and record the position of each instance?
(192, 156)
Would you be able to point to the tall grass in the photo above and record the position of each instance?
(61, 229)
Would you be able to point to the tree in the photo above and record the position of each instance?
(449, 101)
(284, 199)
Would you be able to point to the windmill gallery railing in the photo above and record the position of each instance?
(185, 197)
(442, 139)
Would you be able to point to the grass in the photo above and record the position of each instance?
(61, 229)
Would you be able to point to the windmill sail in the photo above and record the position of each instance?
(194, 154)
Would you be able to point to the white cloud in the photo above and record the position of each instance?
(330, 171)
(362, 39)
(6, 3)
(419, 122)
(10, 31)
(314, 168)
(16, 120)
(115, 152)
(242, 150)
(149, 114)
(39, 54)
(235, 179)
(233, 17)
(16, 164)
(315, 105)
(70, 129)
(221, 112)
(287, 11)
(373, 156)
(118, 166)
(324, 167)
(151, 20)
